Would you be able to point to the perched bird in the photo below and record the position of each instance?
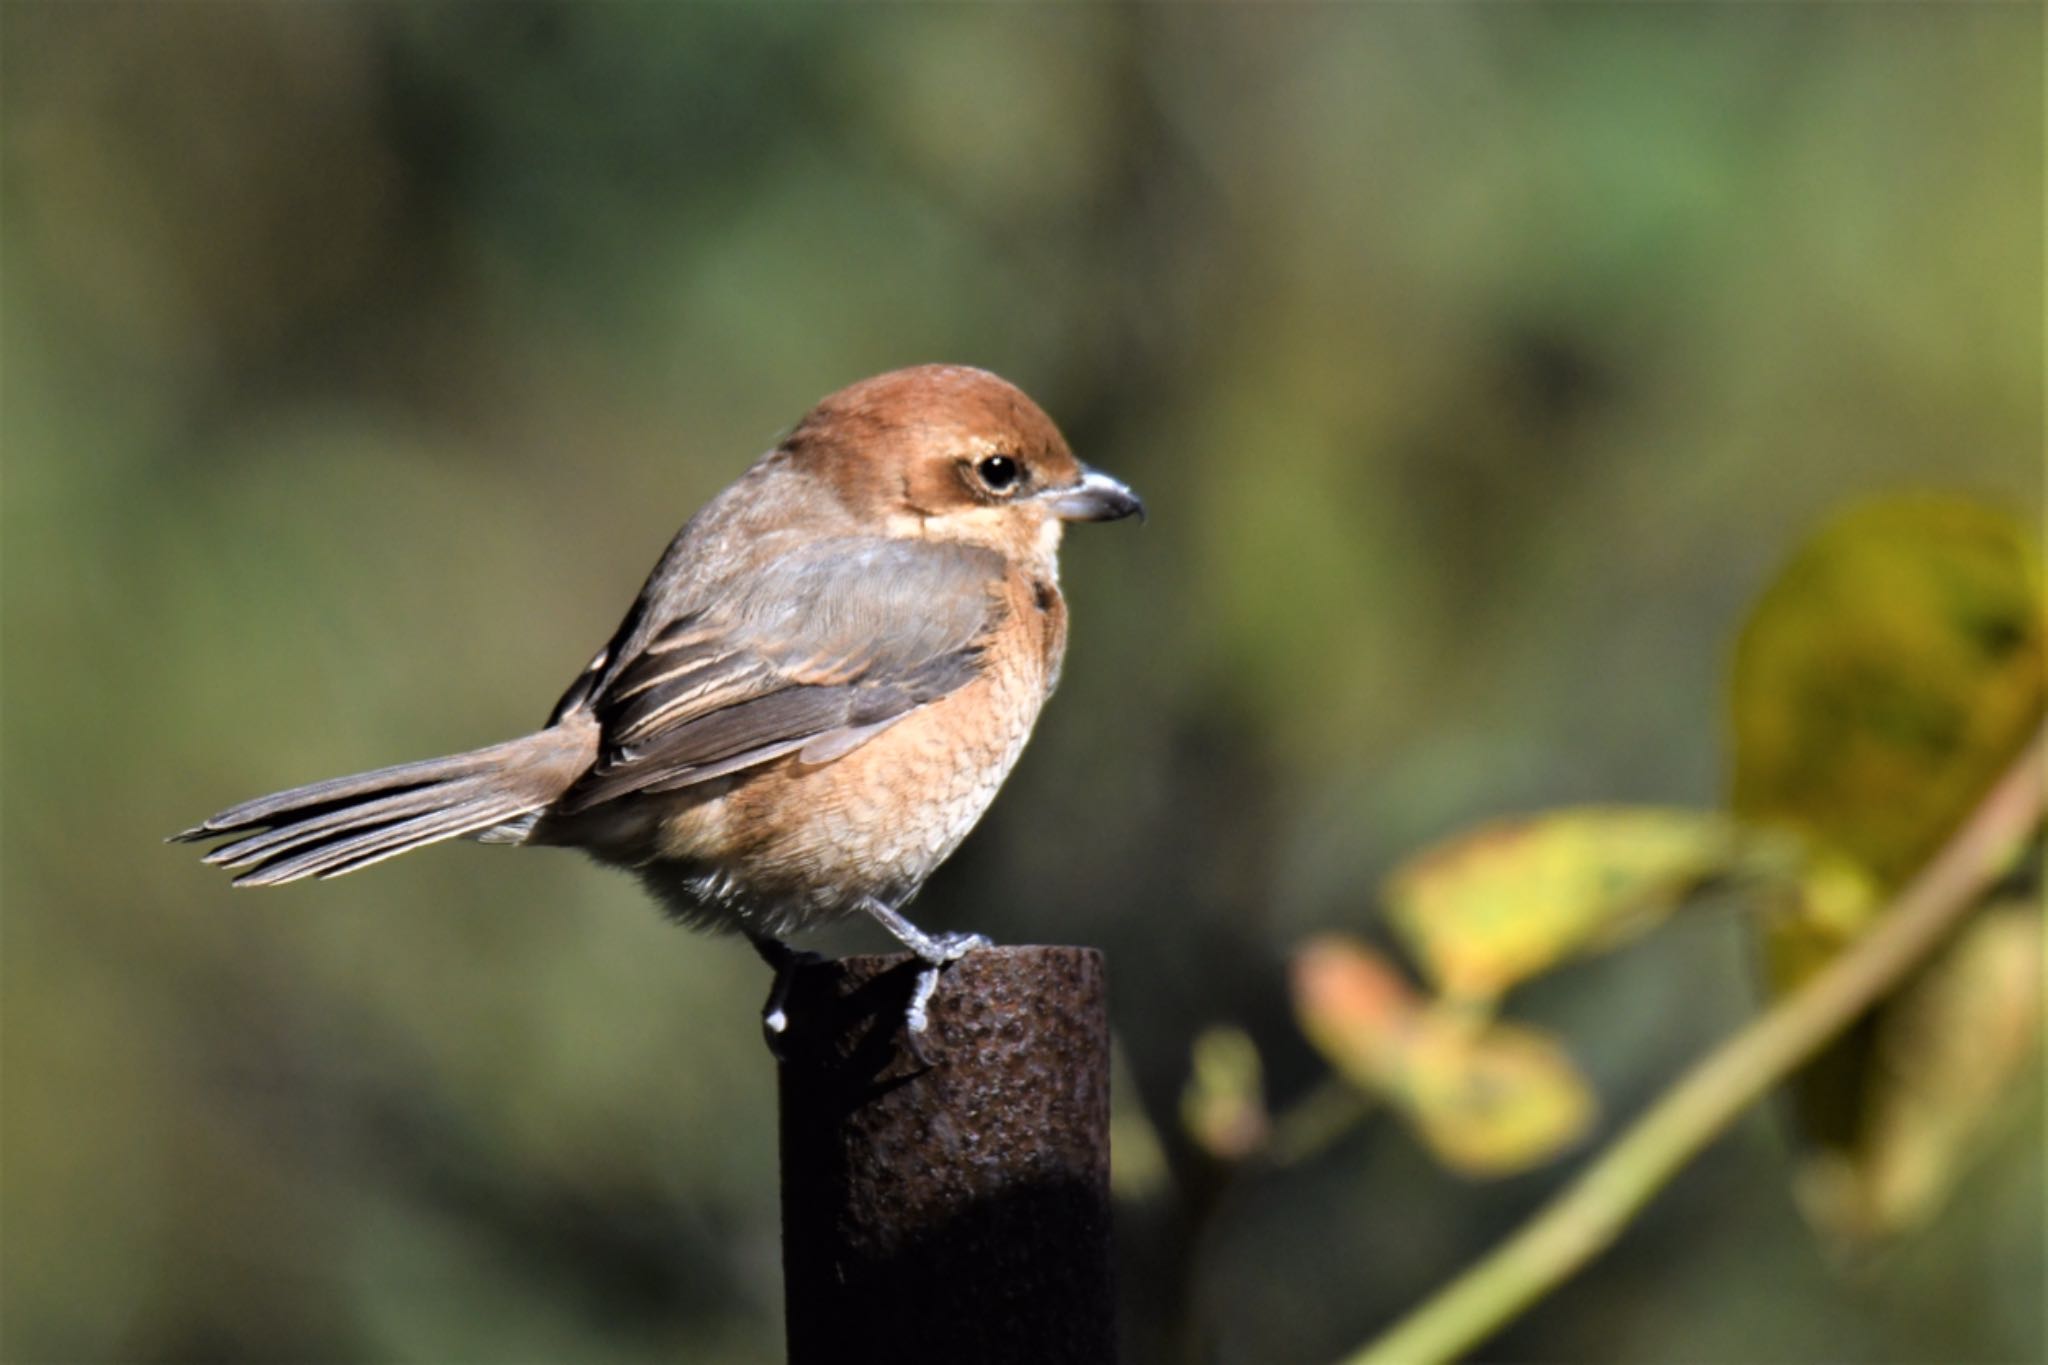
(814, 698)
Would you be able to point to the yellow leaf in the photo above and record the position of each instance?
(1503, 903)
(1487, 1098)
(1494, 1100)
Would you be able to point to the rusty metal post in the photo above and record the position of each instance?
(956, 1211)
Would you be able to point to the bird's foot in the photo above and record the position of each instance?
(917, 1015)
(938, 952)
(941, 949)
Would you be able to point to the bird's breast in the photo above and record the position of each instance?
(792, 845)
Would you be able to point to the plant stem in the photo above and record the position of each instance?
(1591, 1212)
(1316, 1120)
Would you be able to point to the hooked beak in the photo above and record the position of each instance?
(1097, 497)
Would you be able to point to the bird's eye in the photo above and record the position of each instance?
(998, 472)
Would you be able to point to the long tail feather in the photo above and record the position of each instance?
(329, 828)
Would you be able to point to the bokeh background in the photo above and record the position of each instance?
(1478, 365)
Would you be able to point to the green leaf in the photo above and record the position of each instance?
(1500, 904)
(1487, 1098)
(1883, 681)
(1887, 676)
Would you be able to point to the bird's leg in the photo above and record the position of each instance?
(937, 951)
(785, 960)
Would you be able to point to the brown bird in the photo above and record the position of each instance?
(814, 698)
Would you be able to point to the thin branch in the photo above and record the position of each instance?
(1591, 1212)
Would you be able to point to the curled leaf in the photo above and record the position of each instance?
(1947, 1054)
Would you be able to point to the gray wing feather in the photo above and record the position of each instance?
(824, 649)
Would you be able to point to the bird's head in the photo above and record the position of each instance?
(948, 452)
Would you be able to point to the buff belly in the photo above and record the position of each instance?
(791, 846)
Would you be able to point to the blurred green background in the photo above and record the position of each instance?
(1478, 365)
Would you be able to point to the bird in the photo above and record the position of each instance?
(814, 698)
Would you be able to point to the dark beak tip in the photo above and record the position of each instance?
(1116, 507)
(1099, 497)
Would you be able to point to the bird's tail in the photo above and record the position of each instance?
(337, 826)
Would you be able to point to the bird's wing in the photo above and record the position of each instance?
(820, 651)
